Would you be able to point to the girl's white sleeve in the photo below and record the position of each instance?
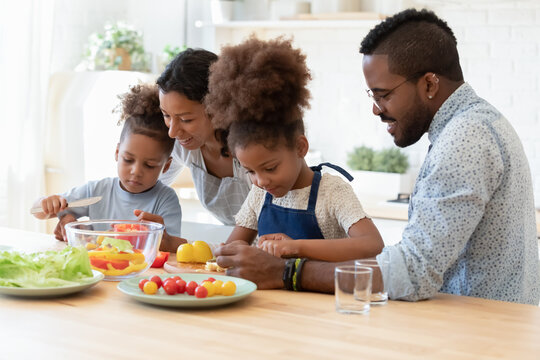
(345, 204)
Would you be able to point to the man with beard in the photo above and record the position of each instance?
(471, 228)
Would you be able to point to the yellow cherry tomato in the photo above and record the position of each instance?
(218, 284)
(210, 287)
(228, 288)
(150, 288)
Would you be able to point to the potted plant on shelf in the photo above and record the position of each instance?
(119, 47)
(381, 173)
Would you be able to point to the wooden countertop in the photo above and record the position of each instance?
(102, 322)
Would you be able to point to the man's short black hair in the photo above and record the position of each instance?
(416, 42)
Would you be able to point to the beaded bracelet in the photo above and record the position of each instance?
(297, 276)
(288, 273)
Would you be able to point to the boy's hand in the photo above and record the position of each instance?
(60, 230)
(279, 245)
(143, 215)
(51, 206)
(169, 243)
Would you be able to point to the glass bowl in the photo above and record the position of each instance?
(120, 249)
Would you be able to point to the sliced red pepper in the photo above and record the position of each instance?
(102, 263)
(127, 228)
(161, 259)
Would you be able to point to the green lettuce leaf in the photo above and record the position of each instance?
(70, 266)
(121, 245)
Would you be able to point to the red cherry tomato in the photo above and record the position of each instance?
(181, 286)
(201, 292)
(170, 287)
(190, 287)
(211, 279)
(142, 282)
(157, 280)
(176, 277)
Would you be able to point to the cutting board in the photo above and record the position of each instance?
(173, 267)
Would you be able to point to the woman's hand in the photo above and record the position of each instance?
(279, 245)
(248, 262)
(169, 243)
(60, 230)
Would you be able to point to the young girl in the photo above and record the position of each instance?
(295, 210)
(142, 154)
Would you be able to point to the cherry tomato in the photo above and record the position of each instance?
(150, 288)
(181, 286)
(142, 282)
(228, 288)
(176, 277)
(218, 284)
(210, 287)
(201, 292)
(211, 279)
(190, 287)
(157, 280)
(170, 287)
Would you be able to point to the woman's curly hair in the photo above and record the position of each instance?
(140, 113)
(258, 90)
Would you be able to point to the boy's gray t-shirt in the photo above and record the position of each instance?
(118, 204)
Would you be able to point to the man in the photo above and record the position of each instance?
(471, 227)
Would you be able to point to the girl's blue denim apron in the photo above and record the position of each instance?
(295, 223)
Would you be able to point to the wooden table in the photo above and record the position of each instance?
(103, 323)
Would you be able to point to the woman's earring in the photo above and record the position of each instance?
(430, 97)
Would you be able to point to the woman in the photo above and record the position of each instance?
(221, 183)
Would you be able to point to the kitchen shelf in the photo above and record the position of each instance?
(290, 24)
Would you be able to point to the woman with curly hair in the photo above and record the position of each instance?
(258, 91)
(142, 154)
(221, 183)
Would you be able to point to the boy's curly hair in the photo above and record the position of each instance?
(140, 113)
(416, 42)
(258, 90)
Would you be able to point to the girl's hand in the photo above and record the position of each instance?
(60, 230)
(279, 245)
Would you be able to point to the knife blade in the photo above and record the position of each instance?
(77, 203)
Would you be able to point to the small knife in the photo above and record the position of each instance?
(78, 203)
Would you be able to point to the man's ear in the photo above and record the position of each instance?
(116, 152)
(302, 146)
(432, 85)
(167, 165)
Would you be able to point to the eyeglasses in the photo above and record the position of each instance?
(377, 98)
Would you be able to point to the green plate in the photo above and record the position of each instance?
(243, 289)
(51, 291)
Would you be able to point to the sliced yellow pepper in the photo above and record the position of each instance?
(128, 270)
(136, 258)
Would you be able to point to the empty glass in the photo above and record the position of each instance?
(353, 289)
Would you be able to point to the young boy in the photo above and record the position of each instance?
(142, 154)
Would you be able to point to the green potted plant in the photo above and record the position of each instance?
(381, 173)
(118, 47)
(167, 55)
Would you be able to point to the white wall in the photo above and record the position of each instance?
(162, 23)
(499, 45)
